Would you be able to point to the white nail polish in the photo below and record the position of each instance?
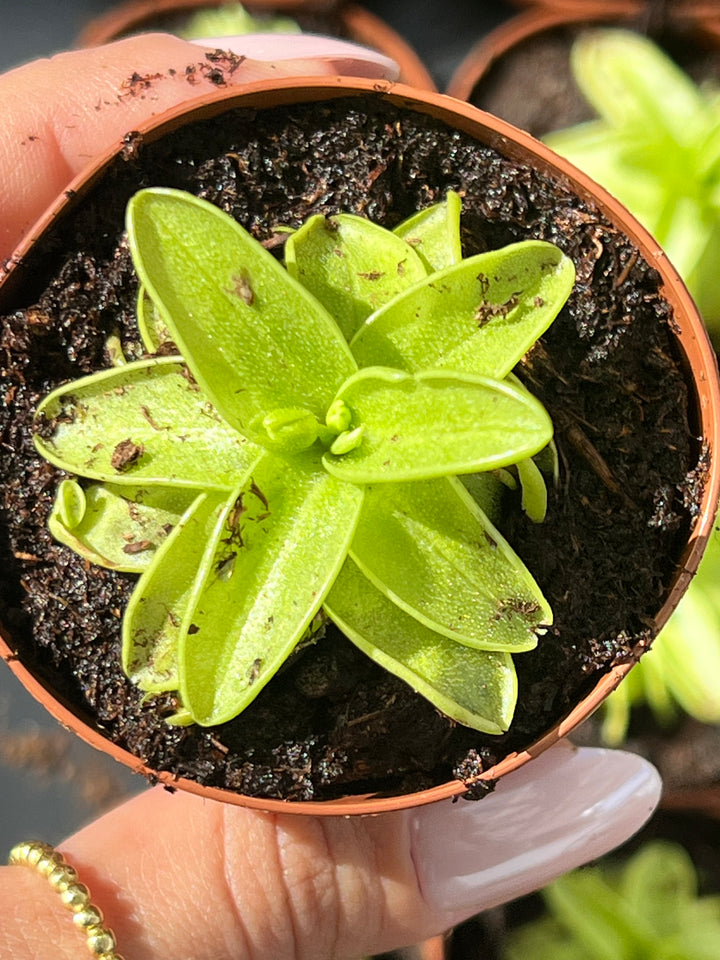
(563, 809)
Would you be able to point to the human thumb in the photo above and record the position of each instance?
(58, 114)
(179, 876)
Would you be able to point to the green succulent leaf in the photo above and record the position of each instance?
(610, 156)
(70, 505)
(254, 338)
(646, 909)
(534, 490)
(144, 423)
(487, 491)
(151, 326)
(480, 316)
(688, 231)
(118, 527)
(429, 548)
(233, 477)
(687, 654)
(543, 940)
(232, 19)
(264, 577)
(660, 880)
(155, 612)
(611, 930)
(477, 688)
(352, 266)
(656, 148)
(415, 427)
(434, 233)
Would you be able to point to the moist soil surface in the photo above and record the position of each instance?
(630, 467)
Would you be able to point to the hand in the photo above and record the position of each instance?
(177, 876)
(181, 877)
(58, 114)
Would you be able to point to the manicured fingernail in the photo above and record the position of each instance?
(349, 59)
(566, 807)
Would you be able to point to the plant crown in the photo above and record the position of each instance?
(290, 451)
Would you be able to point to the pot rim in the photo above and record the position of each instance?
(683, 9)
(537, 16)
(363, 27)
(692, 340)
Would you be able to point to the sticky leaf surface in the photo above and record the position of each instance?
(477, 688)
(351, 265)
(429, 548)
(121, 527)
(265, 576)
(154, 615)
(434, 233)
(253, 337)
(146, 422)
(432, 424)
(480, 316)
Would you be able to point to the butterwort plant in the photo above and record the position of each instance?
(232, 19)
(290, 449)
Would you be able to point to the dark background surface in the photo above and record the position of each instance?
(441, 31)
(50, 783)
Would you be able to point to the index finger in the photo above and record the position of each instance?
(58, 114)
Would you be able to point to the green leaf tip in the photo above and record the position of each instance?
(435, 424)
(269, 473)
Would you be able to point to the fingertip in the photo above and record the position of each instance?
(63, 112)
(567, 807)
(315, 51)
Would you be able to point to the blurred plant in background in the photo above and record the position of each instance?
(680, 673)
(233, 19)
(656, 146)
(649, 909)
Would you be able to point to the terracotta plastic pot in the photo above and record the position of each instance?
(356, 23)
(698, 22)
(692, 347)
(677, 9)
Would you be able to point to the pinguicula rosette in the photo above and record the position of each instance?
(291, 447)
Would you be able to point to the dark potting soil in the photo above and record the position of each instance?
(631, 469)
(531, 84)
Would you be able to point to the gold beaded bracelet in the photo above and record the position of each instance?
(74, 895)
